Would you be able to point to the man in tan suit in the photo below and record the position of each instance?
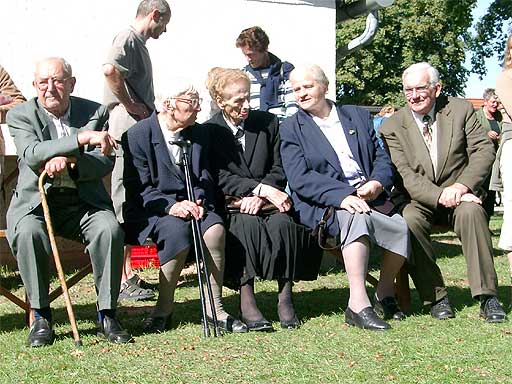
(443, 155)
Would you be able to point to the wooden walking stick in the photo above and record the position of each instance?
(56, 258)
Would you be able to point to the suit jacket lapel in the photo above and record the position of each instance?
(418, 143)
(251, 136)
(444, 137)
(219, 120)
(351, 136)
(48, 131)
(315, 135)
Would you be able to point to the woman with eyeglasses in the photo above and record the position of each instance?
(156, 204)
(263, 239)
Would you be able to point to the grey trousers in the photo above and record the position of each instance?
(76, 220)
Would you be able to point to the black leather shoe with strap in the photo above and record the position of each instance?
(130, 290)
(366, 319)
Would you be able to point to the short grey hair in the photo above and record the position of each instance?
(146, 7)
(433, 73)
(315, 71)
(68, 71)
(170, 89)
(489, 93)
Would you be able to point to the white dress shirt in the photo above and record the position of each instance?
(332, 129)
(174, 150)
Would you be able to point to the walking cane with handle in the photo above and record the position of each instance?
(56, 258)
(202, 268)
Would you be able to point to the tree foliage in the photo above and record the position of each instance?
(409, 31)
(491, 32)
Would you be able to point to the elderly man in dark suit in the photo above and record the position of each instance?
(65, 136)
(443, 156)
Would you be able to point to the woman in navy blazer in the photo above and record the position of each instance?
(156, 200)
(331, 158)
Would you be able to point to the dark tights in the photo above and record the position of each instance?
(249, 308)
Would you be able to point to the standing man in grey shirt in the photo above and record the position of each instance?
(130, 97)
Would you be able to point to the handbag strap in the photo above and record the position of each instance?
(321, 230)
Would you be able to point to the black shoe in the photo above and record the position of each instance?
(156, 324)
(131, 290)
(442, 309)
(111, 330)
(230, 325)
(388, 308)
(366, 319)
(260, 325)
(293, 323)
(41, 333)
(492, 311)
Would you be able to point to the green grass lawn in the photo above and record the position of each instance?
(324, 350)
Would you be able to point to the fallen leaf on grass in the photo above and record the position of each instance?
(78, 353)
(379, 355)
(390, 377)
(187, 347)
(351, 364)
(341, 355)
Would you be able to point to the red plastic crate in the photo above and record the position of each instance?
(144, 256)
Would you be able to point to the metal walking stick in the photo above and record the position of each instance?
(56, 258)
(202, 268)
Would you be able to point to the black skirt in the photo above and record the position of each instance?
(270, 247)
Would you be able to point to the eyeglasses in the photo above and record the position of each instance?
(419, 89)
(193, 102)
(42, 84)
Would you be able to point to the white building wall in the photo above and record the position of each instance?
(201, 35)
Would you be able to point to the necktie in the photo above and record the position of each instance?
(427, 130)
(239, 133)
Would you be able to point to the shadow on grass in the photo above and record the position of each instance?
(308, 304)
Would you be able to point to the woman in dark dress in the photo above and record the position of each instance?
(260, 243)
